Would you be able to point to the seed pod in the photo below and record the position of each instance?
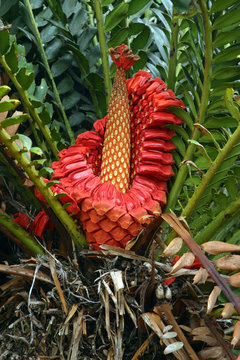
(236, 334)
(227, 311)
(167, 328)
(173, 248)
(235, 280)
(213, 298)
(201, 276)
(218, 247)
(159, 292)
(148, 266)
(173, 347)
(186, 260)
(229, 262)
(168, 293)
(169, 335)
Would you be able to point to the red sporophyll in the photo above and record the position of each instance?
(116, 174)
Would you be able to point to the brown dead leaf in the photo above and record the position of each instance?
(209, 340)
(235, 280)
(227, 311)
(12, 129)
(143, 347)
(201, 330)
(28, 183)
(218, 247)
(236, 334)
(166, 311)
(28, 273)
(214, 352)
(57, 283)
(71, 313)
(214, 328)
(201, 276)
(186, 260)
(184, 223)
(173, 248)
(229, 262)
(152, 320)
(213, 298)
(173, 221)
(76, 336)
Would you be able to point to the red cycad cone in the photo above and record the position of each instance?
(117, 173)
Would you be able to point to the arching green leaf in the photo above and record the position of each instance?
(179, 143)
(183, 114)
(11, 57)
(227, 73)
(38, 162)
(136, 5)
(230, 53)
(218, 122)
(219, 5)
(25, 78)
(230, 105)
(4, 41)
(61, 65)
(26, 141)
(13, 120)
(140, 64)
(140, 41)
(227, 19)
(226, 37)
(4, 90)
(36, 150)
(119, 37)
(115, 16)
(7, 105)
(135, 28)
(6, 5)
(106, 2)
(52, 182)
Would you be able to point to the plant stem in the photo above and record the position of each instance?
(91, 20)
(66, 220)
(103, 48)
(29, 108)
(182, 173)
(217, 222)
(173, 54)
(25, 238)
(47, 67)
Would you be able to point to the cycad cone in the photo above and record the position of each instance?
(117, 174)
(115, 166)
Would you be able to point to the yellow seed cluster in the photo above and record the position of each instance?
(115, 166)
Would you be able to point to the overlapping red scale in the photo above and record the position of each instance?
(107, 215)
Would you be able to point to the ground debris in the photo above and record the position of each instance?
(106, 306)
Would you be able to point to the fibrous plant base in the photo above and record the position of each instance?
(104, 306)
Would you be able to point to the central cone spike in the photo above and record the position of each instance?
(115, 166)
